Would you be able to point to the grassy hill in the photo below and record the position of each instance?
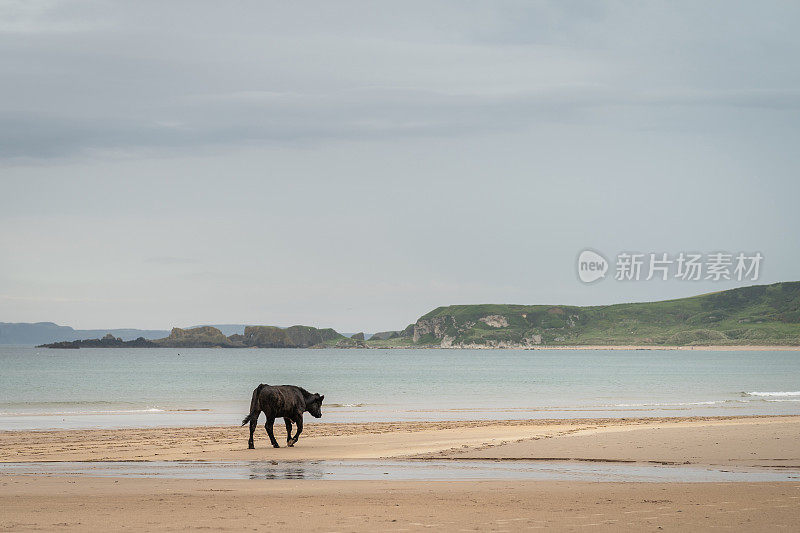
(757, 315)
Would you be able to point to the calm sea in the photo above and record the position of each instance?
(44, 389)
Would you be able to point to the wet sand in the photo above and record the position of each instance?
(64, 502)
(103, 504)
(743, 442)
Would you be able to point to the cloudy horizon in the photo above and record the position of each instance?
(354, 166)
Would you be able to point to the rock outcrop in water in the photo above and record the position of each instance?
(200, 337)
(211, 337)
(291, 337)
(109, 341)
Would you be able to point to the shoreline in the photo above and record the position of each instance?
(713, 348)
(699, 347)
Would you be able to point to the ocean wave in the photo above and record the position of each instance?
(345, 405)
(665, 404)
(73, 403)
(88, 407)
(770, 394)
(82, 412)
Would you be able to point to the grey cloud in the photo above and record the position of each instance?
(171, 260)
(347, 115)
(93, 76)
(354, 165)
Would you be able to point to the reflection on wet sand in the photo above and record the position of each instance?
(453, 470)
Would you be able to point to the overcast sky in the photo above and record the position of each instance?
(356, 164)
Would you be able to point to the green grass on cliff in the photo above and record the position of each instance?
(761, 314)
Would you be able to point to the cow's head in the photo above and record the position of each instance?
(314, 405)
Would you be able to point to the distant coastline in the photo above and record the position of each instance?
(759, 317)
(368, 346)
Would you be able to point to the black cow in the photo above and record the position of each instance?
(285, 401)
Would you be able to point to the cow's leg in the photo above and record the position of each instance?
(268, 427)
(299, 423)
(253, 425)
(288, 430)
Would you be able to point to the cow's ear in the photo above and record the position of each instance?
(322, 397)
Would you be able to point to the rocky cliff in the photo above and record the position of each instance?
(291, 337)
(200, 337)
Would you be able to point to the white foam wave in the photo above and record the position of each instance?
(770, 394)
(81, 412)
(667, 404)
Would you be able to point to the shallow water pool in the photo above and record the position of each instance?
(446, 470)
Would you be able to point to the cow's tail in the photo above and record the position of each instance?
(254, 408)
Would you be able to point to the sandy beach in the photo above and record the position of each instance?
(52, 502)
(743, 441)
(102, 504)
